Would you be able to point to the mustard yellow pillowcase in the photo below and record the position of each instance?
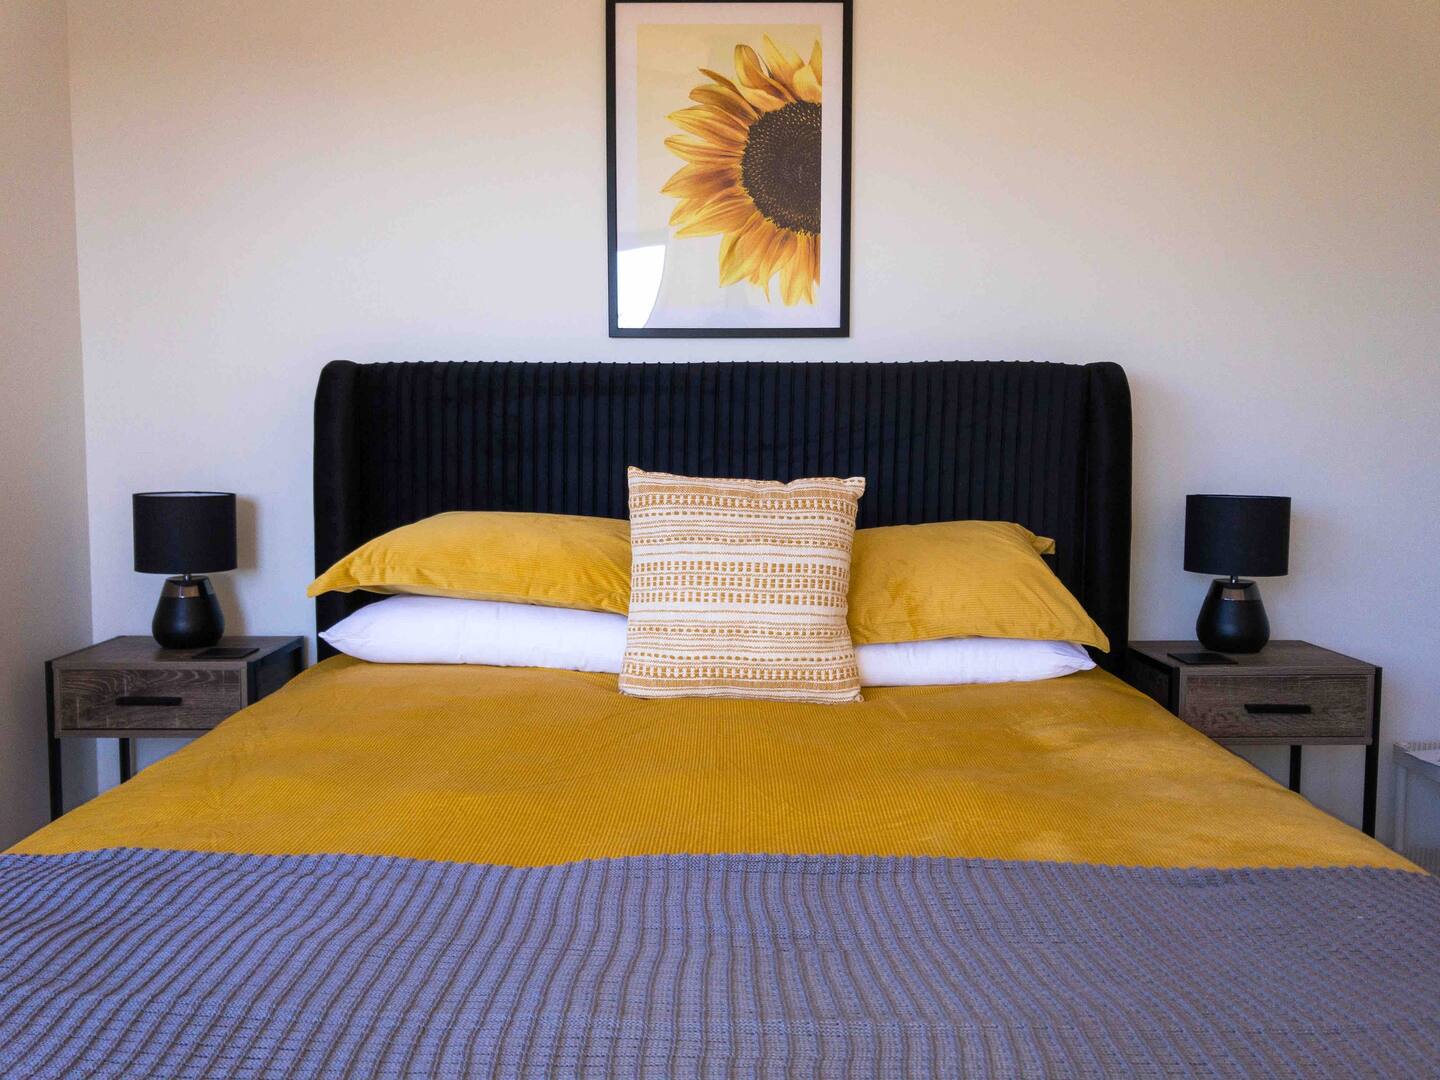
(961, 579)
(556, 560)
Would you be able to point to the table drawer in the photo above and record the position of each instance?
(98, 700)
(1278, 706)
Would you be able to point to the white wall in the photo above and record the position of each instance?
(44, 564)
(1237, 201)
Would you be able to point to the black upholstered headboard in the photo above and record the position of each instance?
(1047, 445)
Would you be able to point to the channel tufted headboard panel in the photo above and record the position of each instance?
(1047, 445)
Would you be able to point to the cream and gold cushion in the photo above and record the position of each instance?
(738, 588)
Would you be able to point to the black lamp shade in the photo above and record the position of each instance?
(184, 532)
(1237, 534)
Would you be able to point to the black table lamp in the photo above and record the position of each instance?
(185, 533)
(1234, 535)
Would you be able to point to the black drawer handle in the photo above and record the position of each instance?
(1262, 708)
(143, 699)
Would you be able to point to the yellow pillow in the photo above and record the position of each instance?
(556, 560)
(961, 579)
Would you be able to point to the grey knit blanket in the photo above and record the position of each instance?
(178, 964)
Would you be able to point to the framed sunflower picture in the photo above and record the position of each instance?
(729, 146)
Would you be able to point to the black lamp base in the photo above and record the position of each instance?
(188, 615)
(1233, 619)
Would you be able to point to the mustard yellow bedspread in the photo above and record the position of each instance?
(527, 766)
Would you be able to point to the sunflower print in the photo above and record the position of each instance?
(752, 172)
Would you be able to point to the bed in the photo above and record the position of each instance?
(400, 870)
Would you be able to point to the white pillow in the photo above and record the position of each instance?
(443, 630)
(950, 661)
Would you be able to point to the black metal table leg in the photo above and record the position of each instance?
(1372, 775)
(1372, 764)
(1295, 768)
(52, 745)
(125, 763)
(57, 791)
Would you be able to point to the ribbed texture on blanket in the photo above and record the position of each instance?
(537, 766)
(135, 963)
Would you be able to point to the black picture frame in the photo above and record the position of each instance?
(842, 327)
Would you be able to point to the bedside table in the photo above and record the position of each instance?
(131, 688)
(1290, 693)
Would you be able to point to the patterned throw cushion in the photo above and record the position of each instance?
(738, 588)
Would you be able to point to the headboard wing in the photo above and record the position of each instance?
(1047, 445)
